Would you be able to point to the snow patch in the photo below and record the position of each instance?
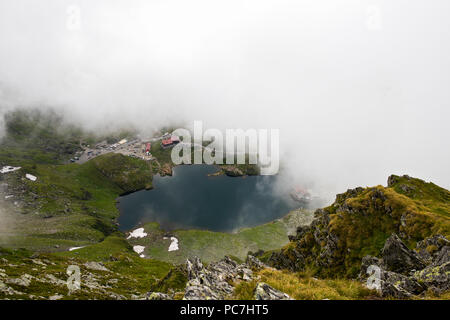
(7, 169)
(139, 250)
(174, 244)
(138, 233)
(75, 248)
(30, 177)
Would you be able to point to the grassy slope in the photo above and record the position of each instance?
(212, 246)
(129, 275)
(75, 202)
(302, 286)
(424, 215)
(128, 174)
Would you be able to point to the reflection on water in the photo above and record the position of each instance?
(193, 200)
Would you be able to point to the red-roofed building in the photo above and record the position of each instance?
(169, 142)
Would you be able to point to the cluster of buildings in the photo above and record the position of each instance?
(121, 142)
(167, 141)
(135, 148)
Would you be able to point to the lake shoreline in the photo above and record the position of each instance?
(227, 192)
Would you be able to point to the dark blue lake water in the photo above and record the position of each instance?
(191, 199)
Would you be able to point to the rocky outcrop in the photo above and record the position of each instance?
(335, 241)
(217, 280)
(398, 258)
(291, 259)
(312, 244)
(265, 292)
(402, 273)
(442, 257)
(399, 286)
(435, 278)
(429, 248)
(214, 282)
(407, 188)
(232, 171)
(255, 263)
(166, 170)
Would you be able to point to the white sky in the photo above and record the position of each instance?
(359, 89)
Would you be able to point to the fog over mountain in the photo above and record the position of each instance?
(359, 89)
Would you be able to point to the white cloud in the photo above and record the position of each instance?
(353, 104)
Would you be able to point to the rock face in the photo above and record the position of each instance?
(335, 241)
(436, 278)
(255, 263)
(442, 257)
(398, 258)
(300, 253)
(293, 261)
(402, 273)
(399, 286)
(429, 248)
(265, 292)
(213, 282)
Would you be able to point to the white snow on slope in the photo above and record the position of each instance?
(174, 244)
(139, 250)
(7, 169)
(30, 177)
(75, 248)
(138, 233)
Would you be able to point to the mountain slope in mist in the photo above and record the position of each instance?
(360, 88)
(359, 222)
